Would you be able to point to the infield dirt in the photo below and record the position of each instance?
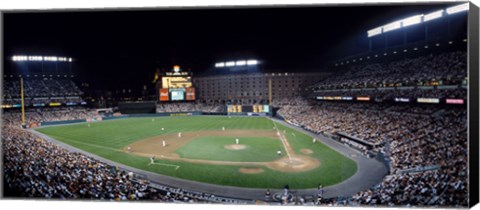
(154, 146)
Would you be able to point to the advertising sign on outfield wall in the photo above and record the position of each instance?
(164, 94)
(190, 92)
(363, 98)
(454, 101)
(402, 100)
(428, 100)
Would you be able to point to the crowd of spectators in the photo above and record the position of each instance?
(41, 90)
(340, 117)
(447, 69)
(417, 136)
(41, 87)
(443, 187)
(37, 168)
(39, 115)
(190, 107)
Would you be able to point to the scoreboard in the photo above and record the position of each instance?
(176, 82)
(234, 108)
(176, 86)
(254, 108)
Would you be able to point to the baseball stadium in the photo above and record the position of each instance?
(166, 118)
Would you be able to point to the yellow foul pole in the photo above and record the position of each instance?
(269, 91)
(23, 102)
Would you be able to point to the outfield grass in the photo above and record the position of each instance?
(107, 139)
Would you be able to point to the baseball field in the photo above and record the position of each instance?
(253, 152)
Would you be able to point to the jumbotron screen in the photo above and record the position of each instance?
(177, 94)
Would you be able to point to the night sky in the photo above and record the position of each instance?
(122, 48)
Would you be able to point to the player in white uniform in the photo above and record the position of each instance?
(223, 128)
(163, 143)
(279, 152)
(314, 140)
(237, 141)
(179, 134)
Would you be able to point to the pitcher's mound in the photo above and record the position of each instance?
(251, 170)
(235, 146)
(306, 151)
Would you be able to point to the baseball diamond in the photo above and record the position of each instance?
(205, 153)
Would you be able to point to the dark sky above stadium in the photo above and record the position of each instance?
(122, 48)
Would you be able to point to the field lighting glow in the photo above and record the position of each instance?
(458, 8)
(21, 58)
(412, 20)
(392, 26)
(374, 31)
(250, 62)
(417, 19)
(433, 15)
(240, 63)
(230, 63)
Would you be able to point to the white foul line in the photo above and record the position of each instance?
(164, 164)
(282, 139)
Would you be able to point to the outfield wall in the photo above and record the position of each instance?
(165, 114)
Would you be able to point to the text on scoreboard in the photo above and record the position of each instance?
(253, 108)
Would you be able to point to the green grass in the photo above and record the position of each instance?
(107, 138)
(257, 149)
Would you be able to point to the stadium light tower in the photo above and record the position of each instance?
(392, 26)
(433, 15)
(249, 62)
(457, 9)
(417, 19)
(240, 63)
(252, 62)
(375, 31)
(43, 59)
(21, 58)
(412, 20)
(230, 63)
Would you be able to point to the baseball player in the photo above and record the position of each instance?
(152, 159)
